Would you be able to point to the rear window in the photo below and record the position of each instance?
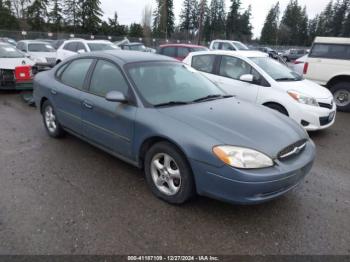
(169, 51)
(332, 51)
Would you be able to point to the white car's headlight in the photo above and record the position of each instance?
(241, 157)
(303, 99)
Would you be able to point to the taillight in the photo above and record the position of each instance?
(306, 67)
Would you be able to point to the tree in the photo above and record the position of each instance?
(20, 7)
(217, 18)
(37, 14)
(312, 29)
(185, 16)
(339, 15)
(73, 10)
(302, 29)
(270, 28)
(55, 16)
(164, 19)
(7, 18)
(91, 16)
(245, 27)
(233, 20)
(135, 30)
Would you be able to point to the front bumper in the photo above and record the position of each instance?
(252, 186)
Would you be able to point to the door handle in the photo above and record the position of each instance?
(88, 105)
(54, 92)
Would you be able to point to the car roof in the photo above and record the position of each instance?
(127, 57)
(332, 40)
(181, 45)
(241, 54)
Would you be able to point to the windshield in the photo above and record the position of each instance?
(276, 70)
(102, 46)
(137, 47)
(198, 49)
(240, 46)
(161, 83)
(7, 51)
(37, 47)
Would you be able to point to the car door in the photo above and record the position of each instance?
(108, 124)
(229, 71)
(66, 95)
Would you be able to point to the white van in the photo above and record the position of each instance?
(256, 78)
(328, 64)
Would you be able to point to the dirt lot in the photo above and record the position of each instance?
(66, 197)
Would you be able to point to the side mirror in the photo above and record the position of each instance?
(247, 78)
(81, 51)
(116, 96)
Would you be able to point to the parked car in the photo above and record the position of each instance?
(42, 53)
(298, 65)
(329, 65)
(8, 41)
(79, 46)
(133, 105)
(254, 77)
(272, 53)
(179, 51)
(135, 46)
(10, 58)
(228, 45)
(57, 43)
(294, 54)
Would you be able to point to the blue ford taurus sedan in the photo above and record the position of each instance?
(185, 133)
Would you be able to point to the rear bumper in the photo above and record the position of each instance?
(252, 186)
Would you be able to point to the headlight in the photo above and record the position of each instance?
(303, 99)
(241, 157)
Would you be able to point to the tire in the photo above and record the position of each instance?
(52, 126)
(175, 186)
(286, 59)
(341, 93)
(278, 108)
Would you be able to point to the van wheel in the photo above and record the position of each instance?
(168, 174)
(278, 108)
(341, 93)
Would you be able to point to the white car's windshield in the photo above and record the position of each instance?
(240, 46)
(102, 46)
(276, 70)
(7, 51)
(38, 47)
(172, 83)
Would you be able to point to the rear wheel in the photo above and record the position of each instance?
(341, 93)
(168, 174)
(51, 123)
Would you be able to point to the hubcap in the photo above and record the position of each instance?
(50, 119)
(342, 97)
(166, 174)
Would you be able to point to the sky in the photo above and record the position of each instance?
(129, 11)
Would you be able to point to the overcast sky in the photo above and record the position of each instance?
(130, 11)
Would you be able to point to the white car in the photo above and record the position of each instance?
(228, 45)
(42, 53)
(10, 58)
(254, 77)
(328, 64)
(298, 65)
(80, 46)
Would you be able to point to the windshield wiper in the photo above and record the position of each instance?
(211, 97)
(287, 79)
(172, 103)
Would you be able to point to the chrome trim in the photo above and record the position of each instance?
(296, 150)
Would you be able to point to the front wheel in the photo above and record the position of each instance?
(168, 174)
(51, 123)
(341, 93)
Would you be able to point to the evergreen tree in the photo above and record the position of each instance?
(217, 18)
(135, 30)
(269, 31)
(195, 14)
(302, 30)
(185, 16)
(339, 15)
(56, 16)
(72, 10)
(7, 18)
(91, 16)
(346, 26)
(245, 27)
(312, 29)
(326, 20)
(37, 14)
(164, 19)
(233, 20)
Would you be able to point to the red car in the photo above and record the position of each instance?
(179, 51)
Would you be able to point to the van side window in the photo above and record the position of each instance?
(332, 51)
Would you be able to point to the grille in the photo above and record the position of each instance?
(325, 105)
(7, 78)
(325, 120)
(51, 60)
(292, 150)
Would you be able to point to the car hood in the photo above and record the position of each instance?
(306, 87)
(12, 63)
(43, 54)
(238, 123)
